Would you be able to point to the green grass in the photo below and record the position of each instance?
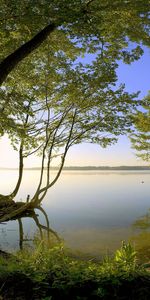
(51, 273)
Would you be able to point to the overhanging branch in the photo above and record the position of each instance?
(12, 60)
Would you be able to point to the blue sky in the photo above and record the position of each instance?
(136, 78)
(137, 75)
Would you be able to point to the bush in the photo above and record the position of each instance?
(52, 274)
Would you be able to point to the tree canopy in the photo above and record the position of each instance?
(140, 138)
(76, 28)
(26, 24)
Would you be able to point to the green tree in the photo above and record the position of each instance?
(66, 104)
(58, 100)
(26, 24)
(74, 27)
(140, 138)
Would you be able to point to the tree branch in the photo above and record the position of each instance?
(12, 60)
(62, 162)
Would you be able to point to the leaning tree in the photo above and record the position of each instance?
(58, 100)
(66, 104)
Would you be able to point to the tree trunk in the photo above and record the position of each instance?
(14, 193)
(16, 210)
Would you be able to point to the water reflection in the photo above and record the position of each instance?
(87, 242)
(32, 214)
(142, 237)
(143, 222)
(92, 211)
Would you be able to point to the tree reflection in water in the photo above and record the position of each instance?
(42, 228)
(143, 222)
(142, 238)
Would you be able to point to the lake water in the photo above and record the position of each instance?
(92, 211)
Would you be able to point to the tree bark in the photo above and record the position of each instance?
(14, 193)
(12, 60)
(17, 211)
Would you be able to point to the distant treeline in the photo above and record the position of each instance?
(88, 168)
(107, 168)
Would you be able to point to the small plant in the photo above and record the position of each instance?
(126, 257)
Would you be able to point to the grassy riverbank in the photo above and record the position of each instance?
(50, 273)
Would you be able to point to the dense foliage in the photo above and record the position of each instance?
(52, 274)
(140, 138)
(92, 26)
(25, 25)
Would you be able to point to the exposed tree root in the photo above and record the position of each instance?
(11, 209)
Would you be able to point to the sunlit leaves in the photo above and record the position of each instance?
(140, 138)
(114, 22)
(52, 82)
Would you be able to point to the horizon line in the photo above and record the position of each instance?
(82, 167)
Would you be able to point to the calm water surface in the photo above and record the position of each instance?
(92, 211)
